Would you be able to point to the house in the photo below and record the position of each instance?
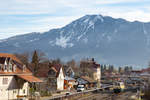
(95, 69)
(135, 73)
(42, 74)
(56, 78)
(86, 81)
(69, 72)
(15, 78)
(69, 82)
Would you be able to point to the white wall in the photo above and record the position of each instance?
(98, 73)
(13, 91)
(60, 81)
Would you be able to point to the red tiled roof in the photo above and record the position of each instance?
(57, 67)
(30, 78)
(136, 71)
(10, 56)
(145, 70)
(16, 61)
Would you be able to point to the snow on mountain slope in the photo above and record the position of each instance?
(109, 40)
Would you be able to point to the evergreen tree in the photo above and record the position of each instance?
(120, 70)
(105, 68)
(35, 62)
(102, 68)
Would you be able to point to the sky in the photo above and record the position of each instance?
(25, 16)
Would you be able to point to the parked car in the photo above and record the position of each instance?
(80, 88)
(68, 93)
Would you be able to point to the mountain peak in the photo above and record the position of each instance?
(102, 37)
(94, 18)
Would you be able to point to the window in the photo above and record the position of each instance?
(5, 80)
(24, 91)
(5, 68)
(14, 91)
(10, 67)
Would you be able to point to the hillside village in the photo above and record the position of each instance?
(21, 78)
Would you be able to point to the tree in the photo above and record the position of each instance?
(71, 63)
(38, 58)
(130, 68)
(126, 69)
(23, 57)
(56, 61)
(111, 68)
(105, 68)
(147, 93)
(35, 62)
(120, 70)
(85, 67)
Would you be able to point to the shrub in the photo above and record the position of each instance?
(45, 93)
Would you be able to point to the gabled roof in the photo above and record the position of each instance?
(30, 78)
(69, 68)
(15, 61)
(145, 70)
(69, 78)
(57, 67)
(88, 79)
(6, 55)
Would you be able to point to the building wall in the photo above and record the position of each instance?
(60, 80)
(97, 74)
(11, 90)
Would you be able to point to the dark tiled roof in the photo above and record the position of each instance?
(2, 60)
(57, 67)
(88, 79)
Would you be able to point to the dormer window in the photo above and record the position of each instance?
(5, 68)
(5, 65)
(24, 68)
(10, 67)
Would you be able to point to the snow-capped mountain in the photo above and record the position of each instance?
(107, 39)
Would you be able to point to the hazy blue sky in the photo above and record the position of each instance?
(24, 16)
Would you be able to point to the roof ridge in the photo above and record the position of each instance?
(12, 56)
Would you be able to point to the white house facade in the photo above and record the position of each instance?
(56, 78)
(14, 78)
(60, 80)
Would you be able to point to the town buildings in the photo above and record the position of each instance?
(93, 69)
(15, 78)
(56, 78)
